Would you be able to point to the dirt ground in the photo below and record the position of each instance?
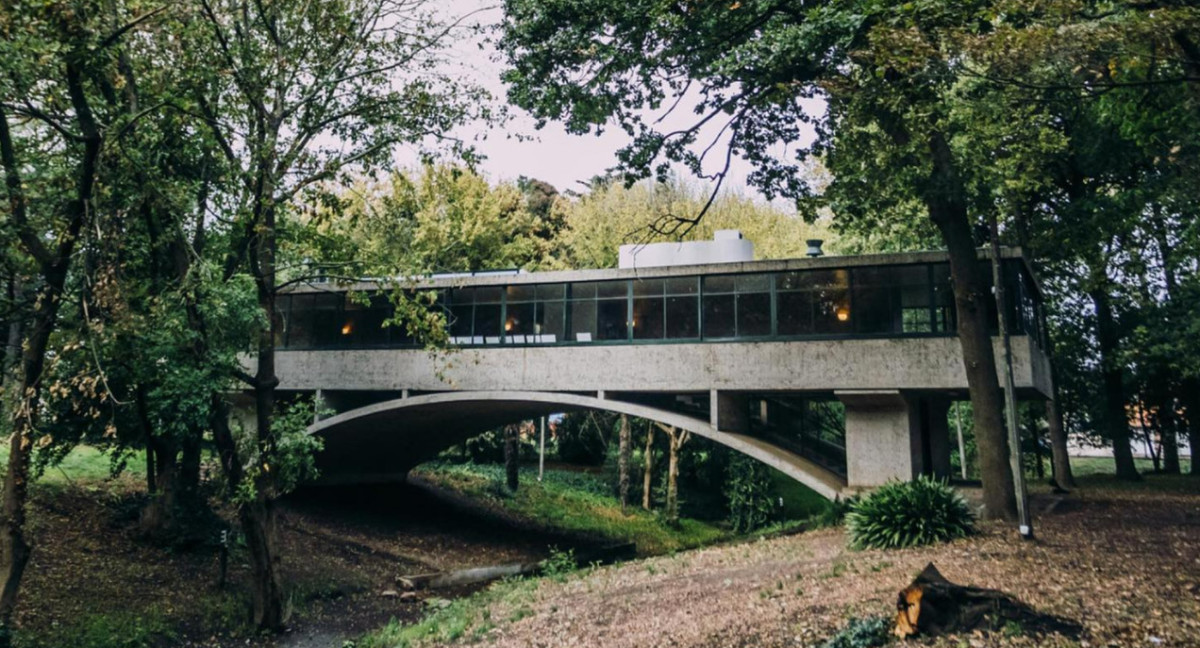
(342, 548)
(1126, 565)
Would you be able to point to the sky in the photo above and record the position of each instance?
(552, 155)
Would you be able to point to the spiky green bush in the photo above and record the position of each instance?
(908, 514)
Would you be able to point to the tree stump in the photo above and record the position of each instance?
(933, 606)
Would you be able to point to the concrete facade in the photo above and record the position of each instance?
(915, 363)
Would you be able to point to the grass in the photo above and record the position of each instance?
(452, 620)
(1086, 466)
(574, 502)
(145, 629)
(82, 464)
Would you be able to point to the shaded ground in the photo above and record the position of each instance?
(1122, 560)
(90, 576)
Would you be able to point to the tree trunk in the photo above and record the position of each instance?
(1058, 445)
(14, 549)
(1167, 426)
(648, 472)
(947, 209)
(1038, 469)
(675, 438)
(1116, 423)
(511, 457)
(623, 451)
(1191, 401)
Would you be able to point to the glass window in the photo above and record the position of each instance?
(648, 317)
(487, 324)
(612, 319)
(520, 322)
(682, 286)
(327, 324)
(549, 292)
(583, 320)
(914, 295)
(943, 299)
(521, 293)
(682, 315)
(831, 302)
(363, 323)
(647, 287)
(754, 314)
(719, 319)
(873, 300)
(300, 322)
(611, 289)
(282, 302)
(795, 313)
(551, 324)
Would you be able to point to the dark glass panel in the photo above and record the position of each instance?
(682, 286)
(460, 323)
(648, 288)
(522, 292)
(913, 290)
(583, 320)
(795, 313)
(611, 289)
(874, 301)
(551, 291)
(831, 302)
(520, 322)
(363, 323)
(300, 325)
(551, 324)
(612, 319)
(583, 291)
(719, 316)
(647, 318)
(327, 325)
(682, 318)
(943, 299)
(719, 284)
(487, 324)
(488, 294)
(460, 296)
(753, 283)
(754, 314)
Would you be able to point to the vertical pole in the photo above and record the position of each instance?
(542, 451)
(962, 447)
(1010, 397)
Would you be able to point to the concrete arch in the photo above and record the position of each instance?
(363, 444)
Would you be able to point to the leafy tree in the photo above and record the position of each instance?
(748, 490)
(885, 70)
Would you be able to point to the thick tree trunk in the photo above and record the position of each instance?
(623, 451)
(1116, 422)
(947, 209)
(648, 471)
(1167, 425)
(512, 462)
(1191, 401)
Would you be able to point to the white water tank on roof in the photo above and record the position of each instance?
(727, 246)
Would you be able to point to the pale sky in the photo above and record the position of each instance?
(553, 155)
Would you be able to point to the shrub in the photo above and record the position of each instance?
(834, 514)
(908, 514)
(748, 487)
(861, 633)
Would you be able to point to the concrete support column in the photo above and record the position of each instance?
(729, 412)
(882, 438)
(938, 429)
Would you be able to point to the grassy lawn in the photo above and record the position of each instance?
(84, 464)
(583, 503)
(1086, 466)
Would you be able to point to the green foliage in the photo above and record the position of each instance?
(559, 564)
(583, 437)
(112, 630)
(748, 489)
(862, 632)
(293, 458)
(835, 513)
(908, 514)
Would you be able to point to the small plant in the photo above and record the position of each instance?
(833, 514)
(559, 564)
(748, 489)
(861, 633)
(908, 514)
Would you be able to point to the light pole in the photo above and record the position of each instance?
(542, 451)
(1010, 397)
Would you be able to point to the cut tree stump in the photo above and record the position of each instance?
(934, 606)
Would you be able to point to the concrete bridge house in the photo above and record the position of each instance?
(837, 371)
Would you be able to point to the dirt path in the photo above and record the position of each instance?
(1126, 565)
